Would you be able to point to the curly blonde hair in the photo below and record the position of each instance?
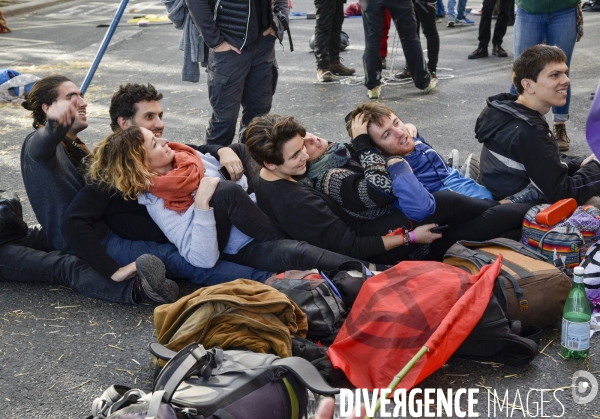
(119, 162)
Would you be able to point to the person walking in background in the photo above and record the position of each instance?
(485, 29)
(552, 23)
(402, 11)
(457, 18)
(330, 17)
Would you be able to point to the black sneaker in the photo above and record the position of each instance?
(498, 51)
(478, 53)
(405, 74)
(150, 282)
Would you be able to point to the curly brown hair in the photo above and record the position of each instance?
(266, 135)
(119, 162)
(43, 92)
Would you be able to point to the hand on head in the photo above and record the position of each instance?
(359, 125)
(63, 111)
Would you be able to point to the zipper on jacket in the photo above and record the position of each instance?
(216, 10)
(247, 25)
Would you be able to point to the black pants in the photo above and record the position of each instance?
(403, 14)
(328, 27)
(485, 24)
(426, 11)
(285, 255)
(30, 259)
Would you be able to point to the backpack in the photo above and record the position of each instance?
(591, 275)
(565, 243)
(497, 339)
(196, 383)
(528, 288)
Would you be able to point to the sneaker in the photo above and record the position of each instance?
(324, 75)
(476, 12)
(404, 74)
(433, 74)
(439, 20)
(452, 158)
(451, 21)
(383, 64)
(463, 22)
(561, 137)
(498, 51)
(339, 69)
(470, 168)
(432, 84)
(478, 53)
(150, 282)
(374, 92)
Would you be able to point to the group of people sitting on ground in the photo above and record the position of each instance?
(121, 219)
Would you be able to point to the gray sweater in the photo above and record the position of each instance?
(51, 179)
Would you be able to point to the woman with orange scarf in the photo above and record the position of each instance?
(203, 215)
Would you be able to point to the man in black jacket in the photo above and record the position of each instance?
(241, 62)
(519, 151)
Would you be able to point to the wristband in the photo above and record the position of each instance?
(413, 237)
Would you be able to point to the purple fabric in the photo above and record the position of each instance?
(592, 127)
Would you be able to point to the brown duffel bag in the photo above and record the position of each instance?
(529, 288)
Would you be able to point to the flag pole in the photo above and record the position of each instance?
(103, 46)
(398, 377)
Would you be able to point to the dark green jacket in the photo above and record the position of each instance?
(545, 6)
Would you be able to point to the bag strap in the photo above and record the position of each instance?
(307, 374)
(511, 244)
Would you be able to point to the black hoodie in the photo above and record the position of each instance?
(519, 149)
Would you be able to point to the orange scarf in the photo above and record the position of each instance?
(176, 186)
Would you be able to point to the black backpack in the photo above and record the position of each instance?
(233, 384)
(497, 339)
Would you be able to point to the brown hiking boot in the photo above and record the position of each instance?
(561, 137)
(324, 75)
(339, 69)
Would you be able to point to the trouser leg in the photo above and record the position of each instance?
(403, 13)
(126, 251)
(324, 10)
(20, 261)
(260, 82)
(336, 30)
(226, 78)
(233, 207)
(284, 255)
(373, 14)
(501, 22)
(427, 20)
(485, 24)
(385, 34)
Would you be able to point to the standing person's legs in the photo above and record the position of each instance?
(460, 9)
(336, 30)
(260, 81)
(562, 32)
(427, 20)
(403, 13)
(501, 22)
(324, 10)
(373, 13)
(385, 34)
(530, 29)
(227, 73)
(451, 12)
(440, 11)
(485, 24)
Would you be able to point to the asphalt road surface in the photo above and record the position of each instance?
(58, 350)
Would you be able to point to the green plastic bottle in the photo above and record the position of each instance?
(576, 320)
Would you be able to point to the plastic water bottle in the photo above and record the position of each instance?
(575, 339)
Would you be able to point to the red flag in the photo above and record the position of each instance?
(397, 312)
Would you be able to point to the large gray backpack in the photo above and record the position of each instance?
(233, 384)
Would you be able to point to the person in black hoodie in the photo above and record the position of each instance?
(520, 158)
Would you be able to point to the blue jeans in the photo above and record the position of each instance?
(126, 251)
(440, 8)
(558, 28)
(460, 10)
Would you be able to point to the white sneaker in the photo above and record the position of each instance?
(374, 92)
(432, 84)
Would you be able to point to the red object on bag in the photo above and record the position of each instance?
(556, 212)
(399, 311)
(353, 9)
